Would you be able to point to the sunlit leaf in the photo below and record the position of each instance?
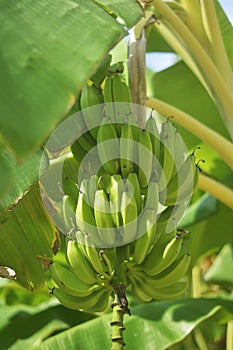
(48, 51)
(155, 325)
(26, 233)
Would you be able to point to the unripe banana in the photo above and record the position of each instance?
(93, 256)
(167, 152)
(78, 303)
(145, 157)
(160, 257)
(85, 219)
(116, 90)
(129, 216)
(86, 141)
(104, 181)
(147, 224)
(92, 188)
(173, 273)
(151, 126)
(69, 213)
(103, 217)
(108, 147)
(79, 263)
(71, 189)
(142, 244)
(92, 96)
(128, 154)
(69, 282)
(78, 152)
(146, 286)
(115, 194)
(182, 184)
(137, 290)
(132, 180)
(102, 303)
(164, 220)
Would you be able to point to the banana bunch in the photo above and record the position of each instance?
(158, 275)
(121, 215)
(153, 156)
(82, 278)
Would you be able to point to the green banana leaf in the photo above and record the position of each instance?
(21, 177)
(205, 206)
(157, 324)
(48, 51)
(27, 237)
(23, 326)
(6, 179)
(221, 271)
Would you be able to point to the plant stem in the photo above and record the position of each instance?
(229, 344)
(196, 284)
(216, 47)
(216, 189)
(194, 19)
(120, 308)
(217, 86)
(221, 145)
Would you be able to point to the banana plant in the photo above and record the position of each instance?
(43, 75)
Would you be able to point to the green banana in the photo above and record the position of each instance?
(85, 219)
(92, 188)
(179, 153)
(78, 152)
(104, 181)
(115, 194)
(71, 189)
(127, 150)
(79, 263)
(132, 180)
(160, 257)
(85, 140)
(137, 290)
(92, 96)
(167, 152)
(70, 282)
(68, 213)
(102, 303)
(145, 158)
(108, 147)
(152, 128)
(145, 232)
(103, 218)
(146, 286)
(77, 303)
(172, 273)
(182, 184)
(165, 218)
(93, 255)
(116, 90)
(147, 224)
(129, 216)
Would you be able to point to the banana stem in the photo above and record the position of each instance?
(216, 189)
(194, 19)
(220, 91)
(221, 145)
(215, 42)
(229, 345)
(120, 308)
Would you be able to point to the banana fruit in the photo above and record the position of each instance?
(122, 217)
